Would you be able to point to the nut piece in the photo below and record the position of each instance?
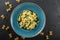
(3, 27)
(17, 38)
(7, 3)
(18, 1)
(23, 38)
(3, 16)
(10, 6)
(50, 33)
(10, 35)
(8, 10)
(42, 33)
(47, 37)
(7, 28)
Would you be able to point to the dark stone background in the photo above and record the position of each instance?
(52, 11)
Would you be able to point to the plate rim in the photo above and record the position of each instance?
(43, 14)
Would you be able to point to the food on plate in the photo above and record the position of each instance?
(28, 19)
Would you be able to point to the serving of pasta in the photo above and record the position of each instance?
(27, 20)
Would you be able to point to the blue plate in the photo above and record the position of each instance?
(28, 6)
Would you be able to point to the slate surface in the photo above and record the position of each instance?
(51, 9)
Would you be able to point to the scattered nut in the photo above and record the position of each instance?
(10, 35)
(23, 38)
(10, 6)
(8, 10)
(18, 1)
(50, 33)
(17, 38)
(7, 3)
(3, 16)
(47, 37)
(3, 27)
(42, 33)
(7, 28)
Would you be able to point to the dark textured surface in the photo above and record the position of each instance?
(51, 9)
